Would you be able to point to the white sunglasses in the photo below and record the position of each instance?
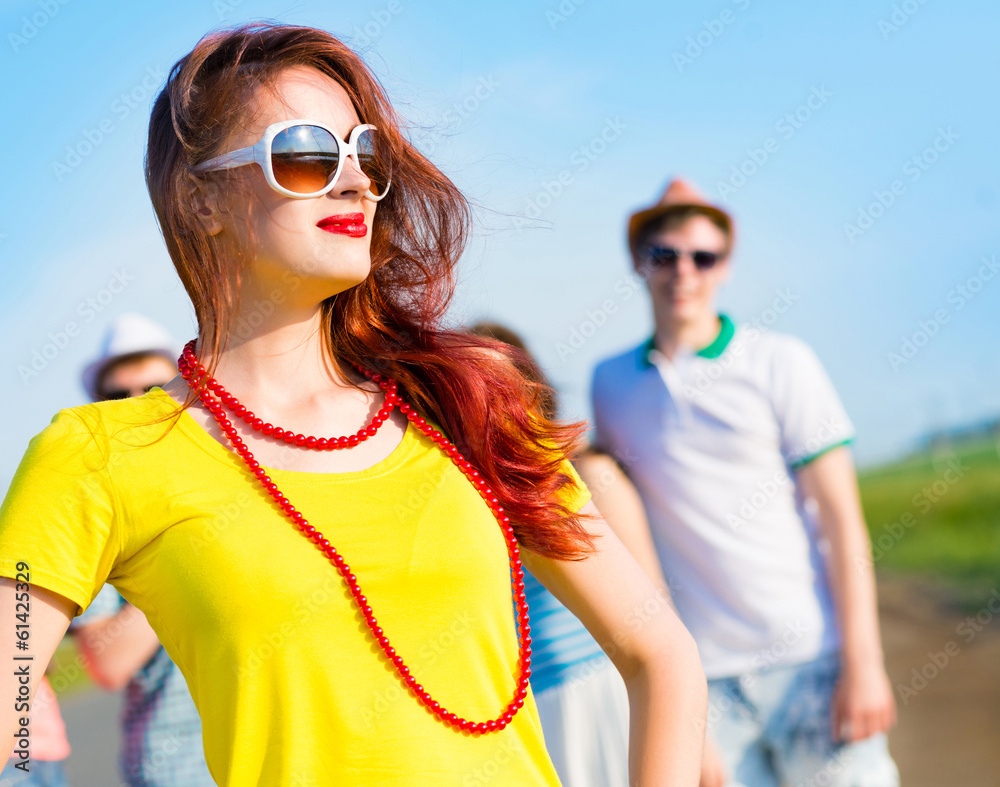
(303, 158)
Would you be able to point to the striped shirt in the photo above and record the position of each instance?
(560, 645)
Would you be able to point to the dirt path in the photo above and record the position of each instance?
(949, 711)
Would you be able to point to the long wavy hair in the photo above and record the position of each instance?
(392, 321)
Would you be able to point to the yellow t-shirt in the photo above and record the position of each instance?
(290, 685)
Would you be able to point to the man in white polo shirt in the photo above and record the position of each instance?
(735, 439)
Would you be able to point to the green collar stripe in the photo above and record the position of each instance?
(714, 350)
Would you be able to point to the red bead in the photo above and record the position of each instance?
(268, 429)
(310, 442)
(352, 440)
(321, 444)
(300, 439)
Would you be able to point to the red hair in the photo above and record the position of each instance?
(391, 322)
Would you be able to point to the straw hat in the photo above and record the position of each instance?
(129, 334)
(678, 195)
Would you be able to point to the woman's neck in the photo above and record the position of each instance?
(279, 361)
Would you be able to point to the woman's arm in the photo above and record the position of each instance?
(619, 502)
(21, 671)
(115, 648)
(655, 655)
(863, 703)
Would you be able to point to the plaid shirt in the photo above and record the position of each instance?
(161, 729)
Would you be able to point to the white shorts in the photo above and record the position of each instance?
(585, 721)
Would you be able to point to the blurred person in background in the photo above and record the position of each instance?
(581, 699)
(161, 730)
(736, 442)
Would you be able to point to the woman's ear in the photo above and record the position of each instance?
(203, 201)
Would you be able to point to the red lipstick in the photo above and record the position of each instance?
(352, 224)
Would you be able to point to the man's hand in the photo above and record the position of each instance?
(863, 704)
(713, 772)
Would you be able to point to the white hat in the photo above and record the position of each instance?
(128, 334)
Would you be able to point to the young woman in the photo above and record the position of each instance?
(323, 517)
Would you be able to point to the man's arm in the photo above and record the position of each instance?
(863, 703)
(115, 648)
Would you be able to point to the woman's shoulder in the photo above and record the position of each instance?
(107, 426)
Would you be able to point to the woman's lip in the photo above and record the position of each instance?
(352, 224)
(342, 218)
(354, 230)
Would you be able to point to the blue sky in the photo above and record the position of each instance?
(854, 142)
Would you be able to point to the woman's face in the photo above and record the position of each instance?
(289, 252)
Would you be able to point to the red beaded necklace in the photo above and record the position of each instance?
(198, 380)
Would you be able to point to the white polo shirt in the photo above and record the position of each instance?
(711, 440)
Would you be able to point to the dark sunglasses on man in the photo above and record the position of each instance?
(668, 257)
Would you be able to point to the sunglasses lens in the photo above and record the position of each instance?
(371, 163)
(662, 257)
(704, 259)
(304, 158)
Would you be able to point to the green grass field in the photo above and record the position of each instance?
(939, 514)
